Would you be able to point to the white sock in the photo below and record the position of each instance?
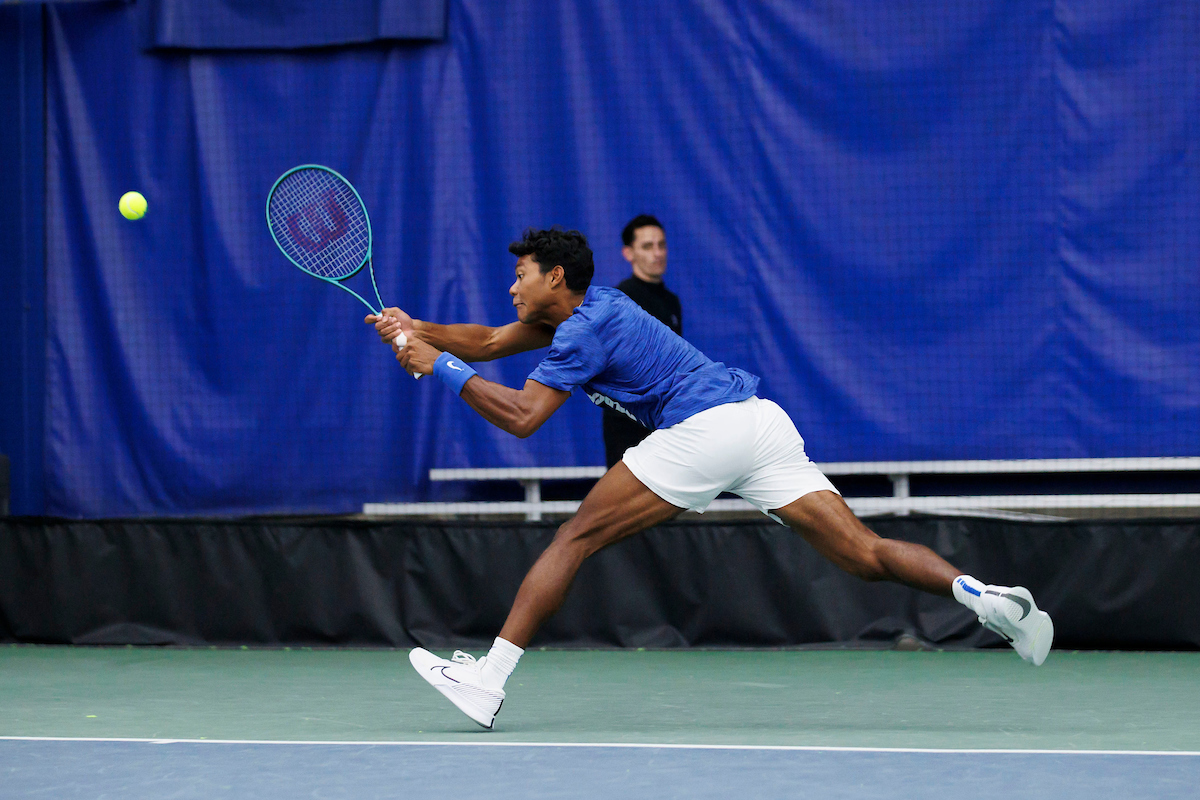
(969, 592)
(501, 661)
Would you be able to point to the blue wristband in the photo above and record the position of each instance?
(452, 372)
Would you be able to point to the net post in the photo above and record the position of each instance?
(900, 490)
(533, 494)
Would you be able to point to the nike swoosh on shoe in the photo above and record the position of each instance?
(1021, 601)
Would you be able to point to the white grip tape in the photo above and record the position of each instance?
(400, 341)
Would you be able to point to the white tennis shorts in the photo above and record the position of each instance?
(750, 448)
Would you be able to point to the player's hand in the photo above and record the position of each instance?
(392, 322)
(417, 356)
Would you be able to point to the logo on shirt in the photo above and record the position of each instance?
(601, 400)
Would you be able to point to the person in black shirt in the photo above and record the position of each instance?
(645, 248)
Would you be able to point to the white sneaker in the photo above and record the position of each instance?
(1012, 613)
(459, 680)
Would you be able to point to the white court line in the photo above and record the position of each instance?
(627, 745)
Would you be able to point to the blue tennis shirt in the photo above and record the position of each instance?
(628, 360)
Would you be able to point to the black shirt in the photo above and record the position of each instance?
(657, 299)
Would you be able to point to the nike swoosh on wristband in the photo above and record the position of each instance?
(452, 365)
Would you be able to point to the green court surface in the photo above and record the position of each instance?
(825, 698)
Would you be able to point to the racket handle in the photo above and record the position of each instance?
(400, 341)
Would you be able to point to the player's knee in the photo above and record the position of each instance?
(866, 564)
(575, 538)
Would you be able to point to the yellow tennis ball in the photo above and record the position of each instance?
(132, 205)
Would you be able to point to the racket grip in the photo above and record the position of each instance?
(400, 341)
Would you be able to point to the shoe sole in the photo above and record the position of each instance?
(1043, 638)
(462, 706)
(1043, 635)
(418, 655)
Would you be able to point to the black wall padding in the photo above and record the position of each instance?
(1122, 584)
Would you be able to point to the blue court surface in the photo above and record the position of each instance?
(135, 769)
(175, 723)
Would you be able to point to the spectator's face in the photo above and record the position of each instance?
(648, 253)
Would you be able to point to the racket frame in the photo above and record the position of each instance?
(370, 237)
(366, 259)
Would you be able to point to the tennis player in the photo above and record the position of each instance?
(711, 434)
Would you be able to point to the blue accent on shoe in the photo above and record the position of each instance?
(963, 585)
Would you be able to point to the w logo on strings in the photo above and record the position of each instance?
(315, 226)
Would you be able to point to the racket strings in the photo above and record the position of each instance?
(319, 222)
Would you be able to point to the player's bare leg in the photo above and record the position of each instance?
(828, 524)
(619, 505)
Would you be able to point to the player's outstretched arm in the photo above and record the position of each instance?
(517, 411)
(467, 341)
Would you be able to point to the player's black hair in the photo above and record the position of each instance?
(556, 247)
(640, 221)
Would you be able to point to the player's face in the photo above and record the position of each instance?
(531, 290)
(648, 253)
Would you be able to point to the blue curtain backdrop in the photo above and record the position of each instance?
(284, 24)
(939, 230)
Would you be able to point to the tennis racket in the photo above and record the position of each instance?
(320, 223)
